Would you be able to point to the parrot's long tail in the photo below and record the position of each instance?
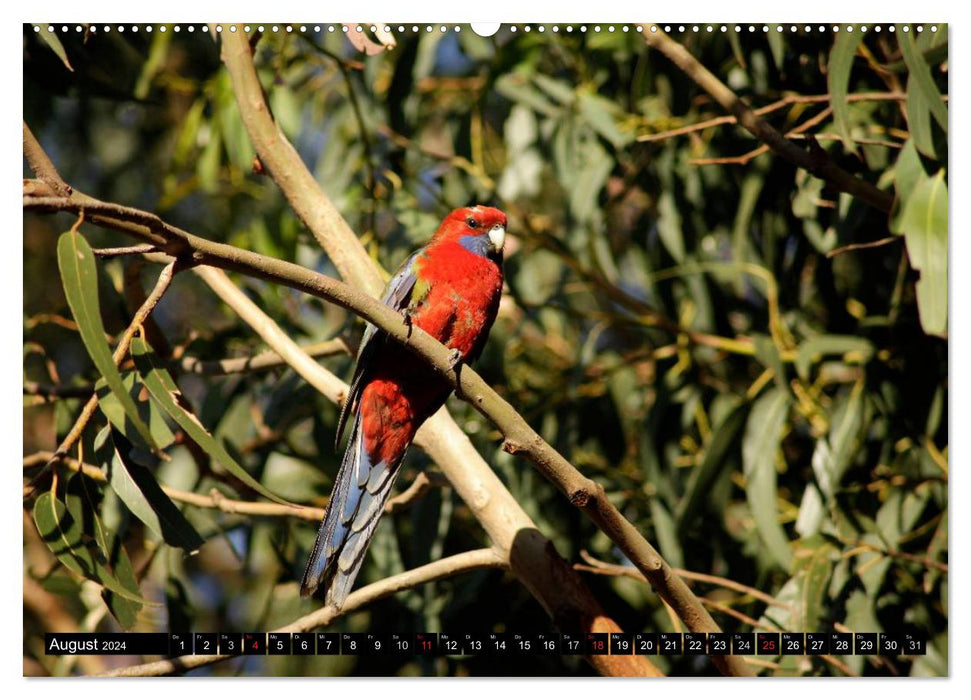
(355, 507)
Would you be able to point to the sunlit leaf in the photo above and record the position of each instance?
(76, 537)
(79, 275)
(50, 38)
(150, 413)
(760, 445)
(919, 119)
(908, 171)
(141, 493)
(924, 225)
(839, 68)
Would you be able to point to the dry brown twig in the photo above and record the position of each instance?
(121, 350)
(217, 501)
(746, 157)
(812, 160)
(786, 101)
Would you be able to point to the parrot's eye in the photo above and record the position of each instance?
(471, 223)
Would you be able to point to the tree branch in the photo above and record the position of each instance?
(815, 162)
(533, 558)
(260, 361)
(786, 101)
(217, 501)
(443, 568)
(298, 185)
(161, 286)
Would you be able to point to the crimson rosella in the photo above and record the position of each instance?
(450, 289)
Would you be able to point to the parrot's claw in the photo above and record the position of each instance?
(406, 315)
(454, 358)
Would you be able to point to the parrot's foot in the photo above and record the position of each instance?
(454, 358)
(406, 315)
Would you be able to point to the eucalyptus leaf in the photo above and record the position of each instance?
(50, 38)
(760, 444)
(164, 390)
(141, 493)
(920, 72)
(839, 68)
(919, 119)
(923, 221)
(76, 538)
(79, 275)
(724, 438)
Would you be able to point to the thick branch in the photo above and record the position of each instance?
(532, 557)
(443, 568)
(42, 166)
(815, 162)
(283, 163)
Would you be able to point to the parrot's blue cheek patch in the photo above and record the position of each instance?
(478, 245)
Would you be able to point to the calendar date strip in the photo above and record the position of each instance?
(491, 643)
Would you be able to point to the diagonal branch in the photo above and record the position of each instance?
(815, 161)
(298, 185)
(531, 556)
(443, 568)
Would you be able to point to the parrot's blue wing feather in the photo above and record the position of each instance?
(397, 295)
(361, 490)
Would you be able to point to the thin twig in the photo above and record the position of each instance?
(817, 164)
(746, 157)
(215, 500)
(140, 249)
(773, 107)
(121, 350)
(601, 567)
(266, 360)
(259, 362)
(858, 246)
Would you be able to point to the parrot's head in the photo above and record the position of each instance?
(479, 229)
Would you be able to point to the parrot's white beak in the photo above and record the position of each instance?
(497, 234)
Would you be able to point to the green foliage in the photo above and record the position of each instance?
(694, 326)
(80, 277)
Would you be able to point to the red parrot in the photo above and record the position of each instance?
(451, 290)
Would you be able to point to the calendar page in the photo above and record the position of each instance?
(450, 350)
